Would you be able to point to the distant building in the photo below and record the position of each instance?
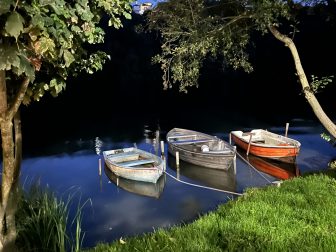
(141, 8)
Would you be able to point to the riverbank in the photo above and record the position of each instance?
(300, 215)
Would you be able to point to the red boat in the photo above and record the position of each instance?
(266, 144)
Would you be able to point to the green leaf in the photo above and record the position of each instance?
(14, 24)
(5, 6)
(24, 68)
(127, 15)
(45, 45)
(27, 68)
(68, 57)
(8, 57)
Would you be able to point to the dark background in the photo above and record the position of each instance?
(129, 91)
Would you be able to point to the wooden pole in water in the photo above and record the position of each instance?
(287, 125)
(235, 160)
(162, 148)
(248, 147)
(177, 159)
(177, 155)
(99, 167)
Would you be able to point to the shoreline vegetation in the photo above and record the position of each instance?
(43, 222)
(300, 215)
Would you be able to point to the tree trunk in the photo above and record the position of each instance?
(309, 95)
(11, 160)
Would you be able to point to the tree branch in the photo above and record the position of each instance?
(18, 145)
(309, 95)
(290, 44)
(3, 96)
(18, 99)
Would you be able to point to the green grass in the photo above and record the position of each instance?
(43, 223)
(300, 215)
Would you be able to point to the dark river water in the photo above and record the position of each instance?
(116, 208)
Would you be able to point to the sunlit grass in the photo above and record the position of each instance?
(44, 225)
(300, 215)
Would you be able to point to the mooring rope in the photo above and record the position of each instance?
(200, 186)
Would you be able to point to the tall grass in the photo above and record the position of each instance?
(43, 223)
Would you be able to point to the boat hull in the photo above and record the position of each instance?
(139, 172)
(284, 153)
(216, 162)
(219, 154)
(145, 175)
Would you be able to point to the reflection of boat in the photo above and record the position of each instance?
(275, 168)
(215, 178)
(201, 149)
(133, 163)
(138, 187)
(266, 144)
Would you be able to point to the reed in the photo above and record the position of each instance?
(43, 222)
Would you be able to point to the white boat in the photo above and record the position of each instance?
(135, 164)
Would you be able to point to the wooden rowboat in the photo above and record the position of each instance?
(135, 164)
(201, 149)
(152, 190)
(266, 144)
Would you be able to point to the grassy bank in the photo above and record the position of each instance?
(300, 215)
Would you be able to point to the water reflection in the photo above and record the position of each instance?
(275, 168)
(98, 145)
(214, 178)
(137, 187)
(152, 137)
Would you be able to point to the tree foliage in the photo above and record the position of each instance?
(46, 41)
(193, 30)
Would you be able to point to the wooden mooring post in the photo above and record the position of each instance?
(235, 161)
(99, 167)
(162, 148)
(286, 132)
(249, 145)
(177, 155)
(177, 159)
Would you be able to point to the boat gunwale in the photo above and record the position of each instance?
(230, 148)
(293, 144)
